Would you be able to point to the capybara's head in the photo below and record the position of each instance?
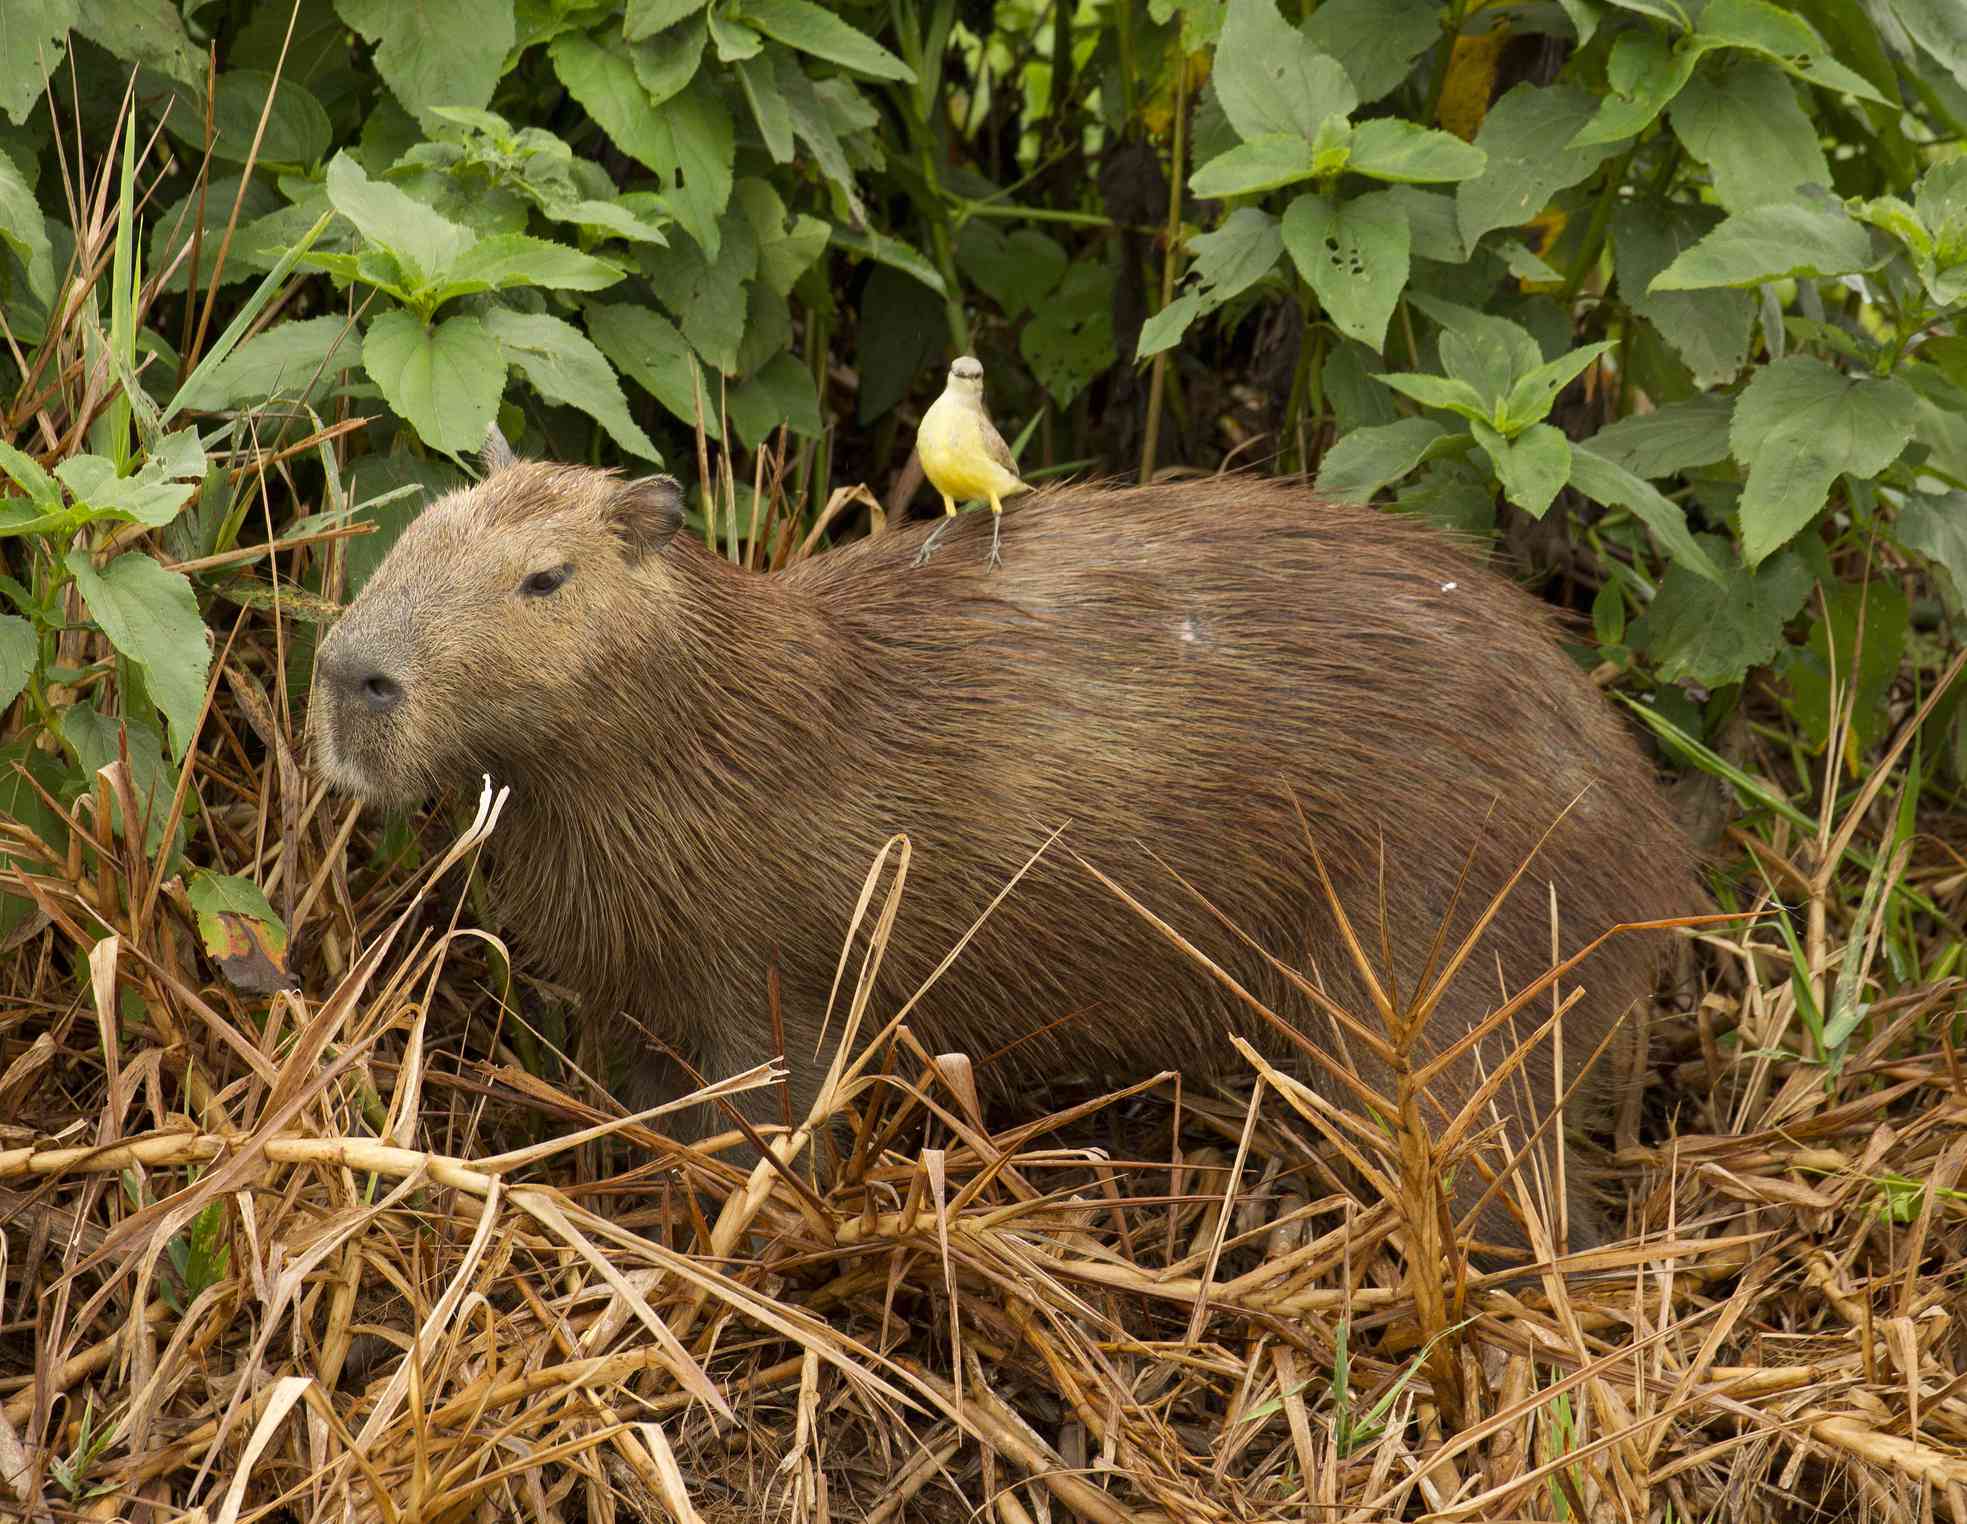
(479, 637)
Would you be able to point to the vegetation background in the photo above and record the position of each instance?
(1657, 299)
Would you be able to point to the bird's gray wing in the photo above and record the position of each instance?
(994, 446)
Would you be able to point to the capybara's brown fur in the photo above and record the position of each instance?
(706, 761)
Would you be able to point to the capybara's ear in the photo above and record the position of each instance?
(496, 454)
(646, 514)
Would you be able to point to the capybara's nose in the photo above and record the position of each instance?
(354, 680)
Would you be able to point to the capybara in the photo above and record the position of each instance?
(1196, 676)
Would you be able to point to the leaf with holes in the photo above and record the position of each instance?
(1354, 255)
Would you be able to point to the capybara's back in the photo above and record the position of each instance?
(1190, 679)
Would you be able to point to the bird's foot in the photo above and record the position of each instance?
(996, 539)
(928, 545)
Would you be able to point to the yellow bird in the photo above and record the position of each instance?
(963, 455)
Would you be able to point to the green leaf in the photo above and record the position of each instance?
(1798, 425)
(146, 32)
(1785, 38)
(1798, 239)
(564, 367)
(646, 347)
(1016, 271)
(229, 894)
(1670, 439)
(813, 125)
(1259, 165)
(1387, 148)
(1374, 41)
(664, 65)
(735, 42)
(515, 259)
(150, 614)
(291, 359)
(1530, 399)
(1525, 137)
(22, 470)
(149, 496)
(423, 241)
(1807, 671)
(23, 229)
(1165, 328)
(785, 252)
(708, 298)
(436, 52)
(813, 29)
(648, 16)
(297, 128)
(445, 382)
(892, 252)
(1532, 467)
(1069, 340)
(1644, 73)
(19, 651)
(1713, 635)
(1439, 391)
(33, 37)
(1270, 78)
(689, 143)
(1606, 481)
(1744, 122)
(759, 79)
(782, 392)
(1709, 330)
(1940, 27)
(1228, 262)
(1936, 528)
(1353, 254)
(1360, 463)
(94, 739)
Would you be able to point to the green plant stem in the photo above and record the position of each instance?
(1170, 258)
(1593, 243)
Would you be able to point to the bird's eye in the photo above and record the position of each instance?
(540, 583)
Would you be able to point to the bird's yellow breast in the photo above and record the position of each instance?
(951, 446)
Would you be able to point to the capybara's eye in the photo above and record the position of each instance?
(540, 583)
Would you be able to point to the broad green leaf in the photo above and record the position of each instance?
(816, 30)
(1673, 12)
(149, 496)
(436, 52)
(445, 382)
(1270, 78)
(1941, 201)
(1069, 340)
(1350, 380)
(241, 933)
(1936, 528)
(1798, 425)
(813, 125)
(22, 470)
(18, 652)
(297, 128)
(1644, 73)
(1868, 622)
(1453, 495)
(95, 741)
(1744, 122)
(1940, 27)
(649, 16)
(735, 42)
(1532, 467)
(1360, 463)
(23, 230)
(1165, 328)
(782, 392)
(1228, 262)
(565, 367)
(665, 64)
(424, 242)
(769, 110)
(1017, 271)
(286, 360)
(1789, 40)
(1530, 399)
(1604, 480)
(1431, 220)
(1670, 439)
(1387, 148)
(33, 38)
(784, 252)
(515, 259)
(149, 33)
(1525, 137)
(1375, 41)
(708, 298)
(1787, 239)
(1439, 391)
(1261, 164)
(229, 894)
(906, 347)
(150, 614)
(1709, 330)
(884, 250)
(1353, 254)
(1490, 353)
(689, 143)
(1714, 635)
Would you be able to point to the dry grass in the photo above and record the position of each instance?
(375, 1249)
